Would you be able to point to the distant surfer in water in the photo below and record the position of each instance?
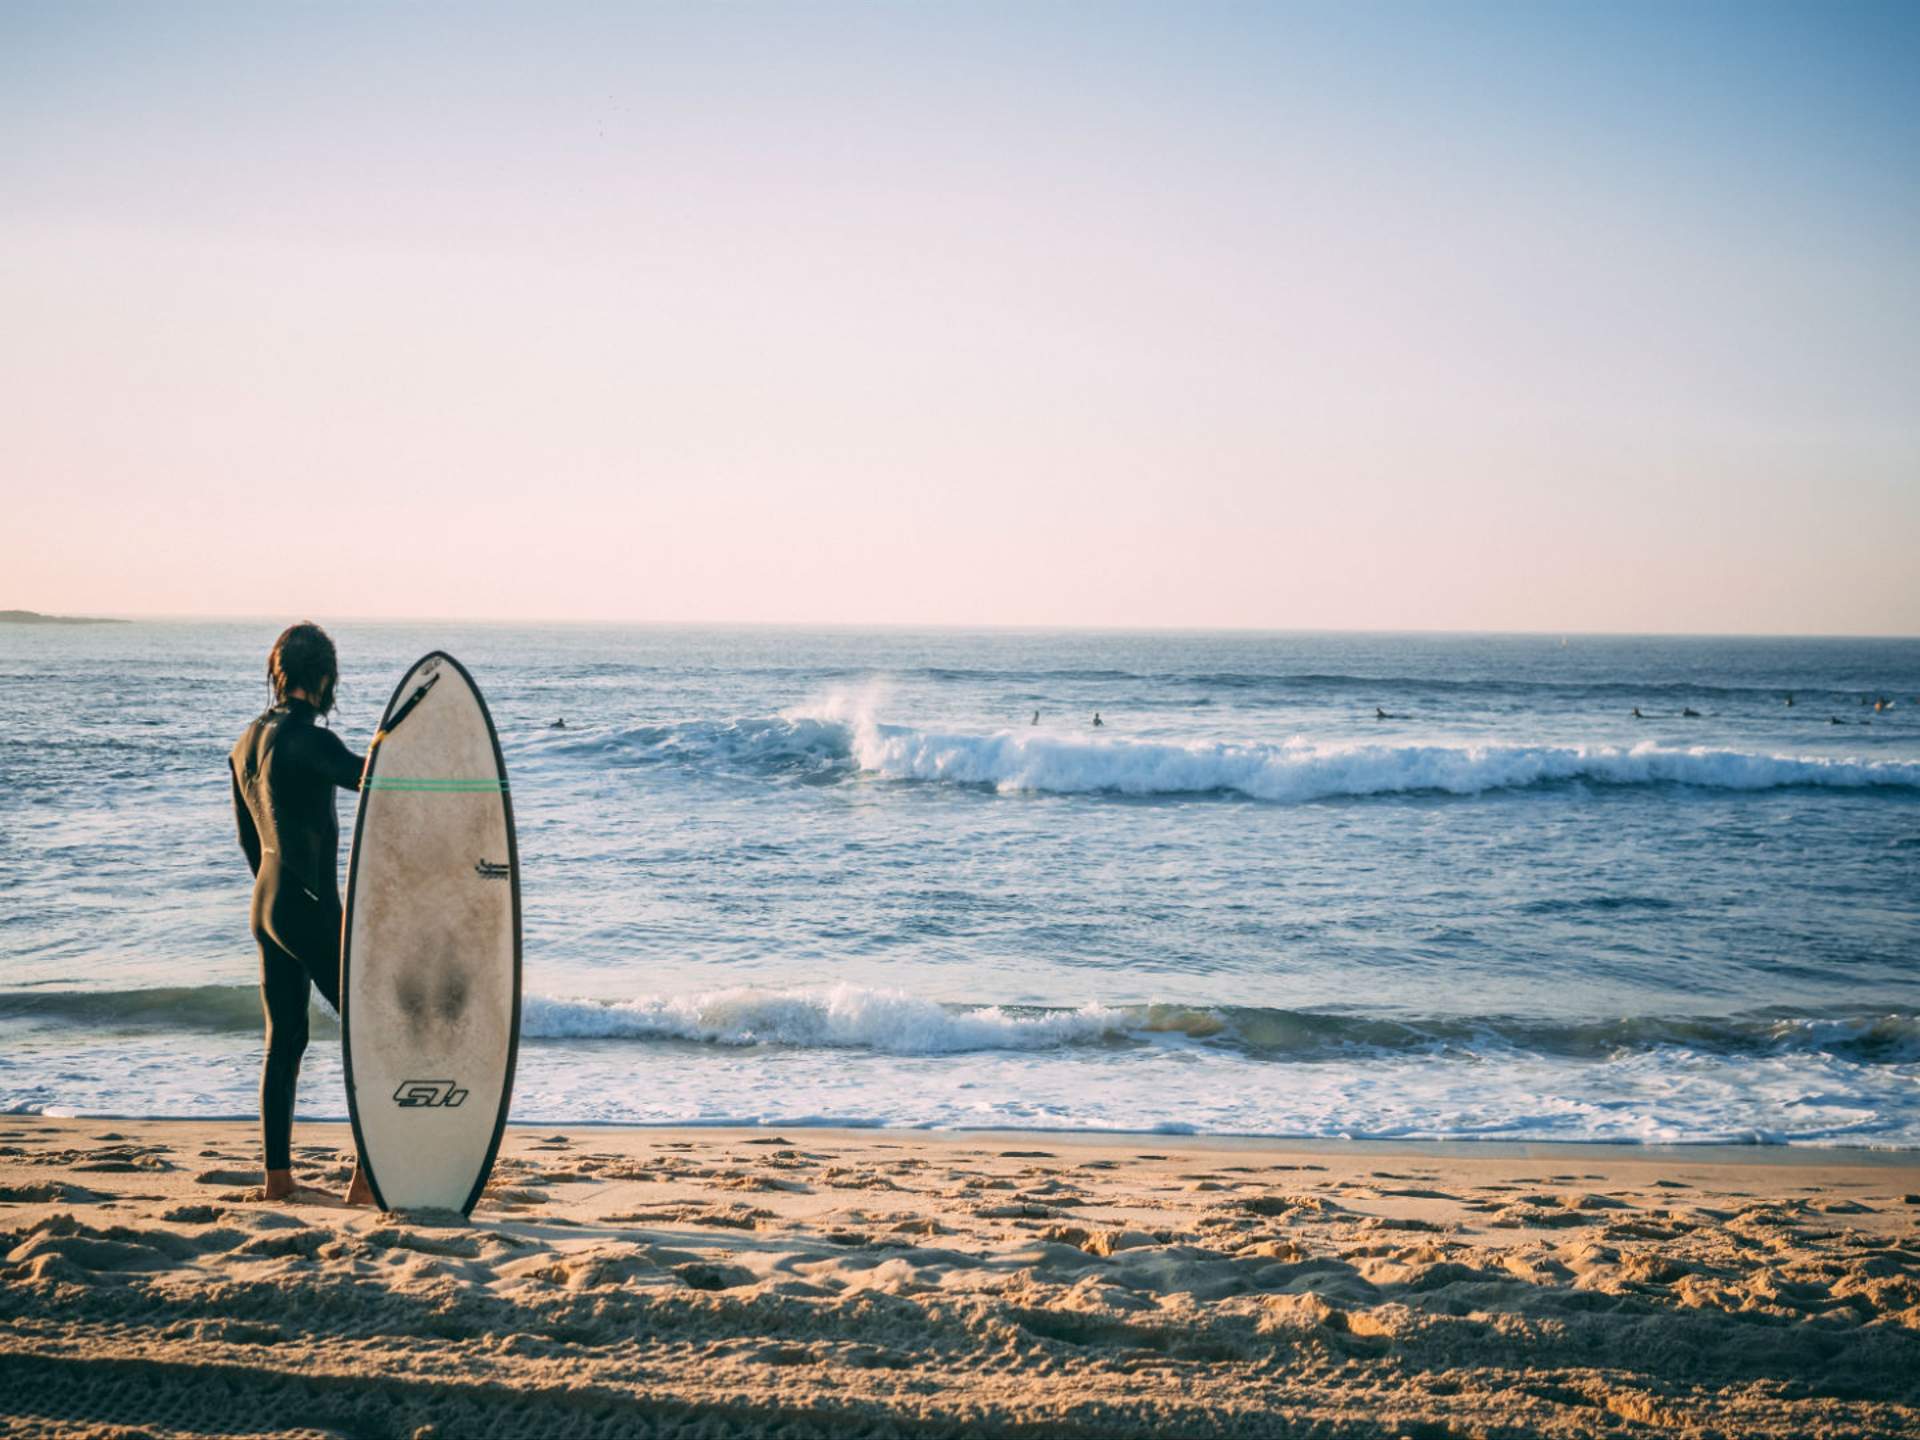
(559, 724)
(1036, 718)
(285, 769)
(1636, 713)
(1097, 721)
(1687, 712)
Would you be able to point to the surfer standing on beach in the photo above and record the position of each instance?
(285, 769)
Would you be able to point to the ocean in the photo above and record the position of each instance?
(791, 877)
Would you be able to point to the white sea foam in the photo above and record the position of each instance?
(1300, 769)
(894, 1022)
(1661, 1096)
(840, 1016)
(1192, 1069)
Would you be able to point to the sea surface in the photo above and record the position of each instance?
(789, 876)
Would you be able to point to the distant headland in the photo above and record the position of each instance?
(34, 617)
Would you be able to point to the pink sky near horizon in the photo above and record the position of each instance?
(1396, 317)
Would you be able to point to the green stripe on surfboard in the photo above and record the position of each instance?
(449, 787)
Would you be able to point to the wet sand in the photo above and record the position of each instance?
(736, 1282)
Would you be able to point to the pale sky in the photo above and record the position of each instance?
(1424, 315)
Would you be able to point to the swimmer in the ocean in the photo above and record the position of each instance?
(559, 724)
(1097, 721)
(1036, 718)
(1636, 713)
(1689, 713)
(1789, 699)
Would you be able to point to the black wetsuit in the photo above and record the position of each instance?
(285, 769)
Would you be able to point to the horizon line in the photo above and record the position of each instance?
(1010, 627)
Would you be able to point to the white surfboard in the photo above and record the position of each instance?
(430, 961)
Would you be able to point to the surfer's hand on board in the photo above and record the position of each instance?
(366, 766)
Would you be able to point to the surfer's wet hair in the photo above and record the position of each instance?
(303, 659)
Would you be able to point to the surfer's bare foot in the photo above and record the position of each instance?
(359, 1191)
(280, 1186)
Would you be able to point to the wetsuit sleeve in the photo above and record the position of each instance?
(243, 817)
(336, 761)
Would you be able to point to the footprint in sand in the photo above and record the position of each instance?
(708, 1275)
(50, 1192)
(193, 1214)
(130, 1165)
(507, 1197)
(731, 1217)
(842, 1177)
(569, 1177)
(227, 1177)
(739, 1180)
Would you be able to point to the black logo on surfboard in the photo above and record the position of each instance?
(492, 870)
(424, 1094)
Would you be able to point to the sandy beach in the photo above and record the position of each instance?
(732, 1282)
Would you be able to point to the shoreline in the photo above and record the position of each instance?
(1717, 1152)
(736, 1281)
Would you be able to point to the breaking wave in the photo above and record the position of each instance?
(894, 1022)
(835, 744)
